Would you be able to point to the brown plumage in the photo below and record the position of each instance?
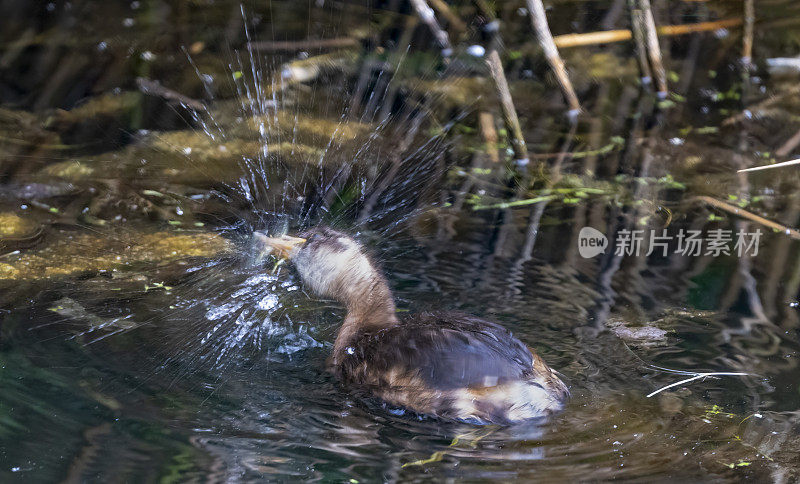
(451, 365)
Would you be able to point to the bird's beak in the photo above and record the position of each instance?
(282, 247)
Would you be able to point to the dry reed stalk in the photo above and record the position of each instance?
(732, 209)
(592, 38)
(507, 107)
(155, 88)
(637, 27)
(747, 46)
(486, 121)
(539, 22)
(654, 49)
(426, 14)
(682, 29)
(611, 36)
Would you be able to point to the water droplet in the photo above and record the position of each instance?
(219, 311)
(676, 141)
(492, 26)
(476, 50)
(268, 302)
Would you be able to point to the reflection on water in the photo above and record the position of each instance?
(143, 339)
(170, 398)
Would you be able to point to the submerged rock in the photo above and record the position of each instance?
(453, 92)
(285, 125)
(14, 226)
(199, 149)
(647, 334)
(17, 232)
(195, 156)
(99, 108)
(309, 69)
(36, 191)
(72, 170)
(82, 253)
(102, 119)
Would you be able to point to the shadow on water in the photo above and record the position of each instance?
(142, 338)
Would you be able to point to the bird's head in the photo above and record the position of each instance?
(330, 263)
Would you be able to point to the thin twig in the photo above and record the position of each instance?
(682, 29)
(769, 167)
(696, 377)
(155, 88)
(515, 203)
(610, 36)
(539, 21)
(732, 209)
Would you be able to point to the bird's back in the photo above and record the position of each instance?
(452, 365)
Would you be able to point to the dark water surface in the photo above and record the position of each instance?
(143, 340)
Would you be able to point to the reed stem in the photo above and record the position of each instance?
(654, 49)
(637, 27)
(486, 121)
(507, 107)
(539, 22)
(427, 16)
(747, 47)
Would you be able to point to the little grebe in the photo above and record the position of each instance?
(449, 365)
